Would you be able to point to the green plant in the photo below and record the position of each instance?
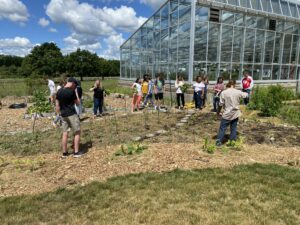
(208, 146)
(185, 87)
(290, 114)
(40, 104)
(269, 100)
(130, 149)
(236, 145)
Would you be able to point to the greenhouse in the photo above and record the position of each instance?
(217, 38)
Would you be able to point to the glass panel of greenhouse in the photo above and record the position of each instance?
(217, 38)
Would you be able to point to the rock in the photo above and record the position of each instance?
(183, 121)
(161, 132)
(191, 112)
(179, 124)
(137, 139)
(27, 117)
(150, 135)
(272, 139)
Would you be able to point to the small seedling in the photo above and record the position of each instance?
(130, 149)
(236, 145)
(208, 146)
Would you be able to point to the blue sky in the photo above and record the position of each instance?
(100, 26)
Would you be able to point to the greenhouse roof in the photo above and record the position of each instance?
(281, 8)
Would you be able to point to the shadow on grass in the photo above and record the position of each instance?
(252, 194)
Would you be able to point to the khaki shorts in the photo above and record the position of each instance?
(71, 122)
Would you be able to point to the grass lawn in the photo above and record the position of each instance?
(253, 194)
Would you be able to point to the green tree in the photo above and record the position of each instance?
(45, 59)
(83, 63)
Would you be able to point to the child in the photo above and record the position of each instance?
(149, 95)
(179, 93)
(198, 87)
(98, 97)
(145, 86)
(159, 85)
(218, 88)
(137, 94)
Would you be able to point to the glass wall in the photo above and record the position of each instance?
(226, 47)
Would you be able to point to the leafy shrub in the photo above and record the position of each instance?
(291, 114)
(269, 100)
(40, 104)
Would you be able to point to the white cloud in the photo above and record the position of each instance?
(52, 30)
(13, 10)
(84, 18)
(155, 4)
(15, 46)
(43, 22)
(113, 46)
(86, 42)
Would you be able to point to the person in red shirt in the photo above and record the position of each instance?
(247, 85)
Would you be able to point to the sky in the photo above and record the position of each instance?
(99, 26)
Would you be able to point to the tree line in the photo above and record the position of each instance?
(47, 60)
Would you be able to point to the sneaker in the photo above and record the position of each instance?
(78, 154)
(64, 155)
(218, 143)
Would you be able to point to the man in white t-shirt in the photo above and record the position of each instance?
(51, 86)
(230, 101)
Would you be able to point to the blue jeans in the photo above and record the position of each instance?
(149, 97)
(216, 103)
(98, 104)
(246, 100)
(198, 99)
(223, 126)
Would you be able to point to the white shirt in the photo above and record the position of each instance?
(198, 86)
(58, 87)
(51, 86)
(178, 87)
(138, 89)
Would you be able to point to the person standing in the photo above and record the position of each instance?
(137, 95)
(145, 84)
(179, 92)
(51, 86)
(79, 107)
(159, 86)
(149, 95)
(65, 100)
(98, 97)
(247, 85)
(230, 100)
(198, 87)
(218, 88)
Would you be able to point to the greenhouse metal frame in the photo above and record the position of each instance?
(217, 38)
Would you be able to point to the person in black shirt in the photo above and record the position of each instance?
(98, 97)
(66, 98)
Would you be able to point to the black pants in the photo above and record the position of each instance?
(180, 96)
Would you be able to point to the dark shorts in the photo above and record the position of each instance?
(159, 96)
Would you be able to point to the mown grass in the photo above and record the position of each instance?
(253, 194)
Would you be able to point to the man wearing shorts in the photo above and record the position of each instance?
(66, 98)
(159, 85)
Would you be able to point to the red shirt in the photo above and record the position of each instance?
(246, 82)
